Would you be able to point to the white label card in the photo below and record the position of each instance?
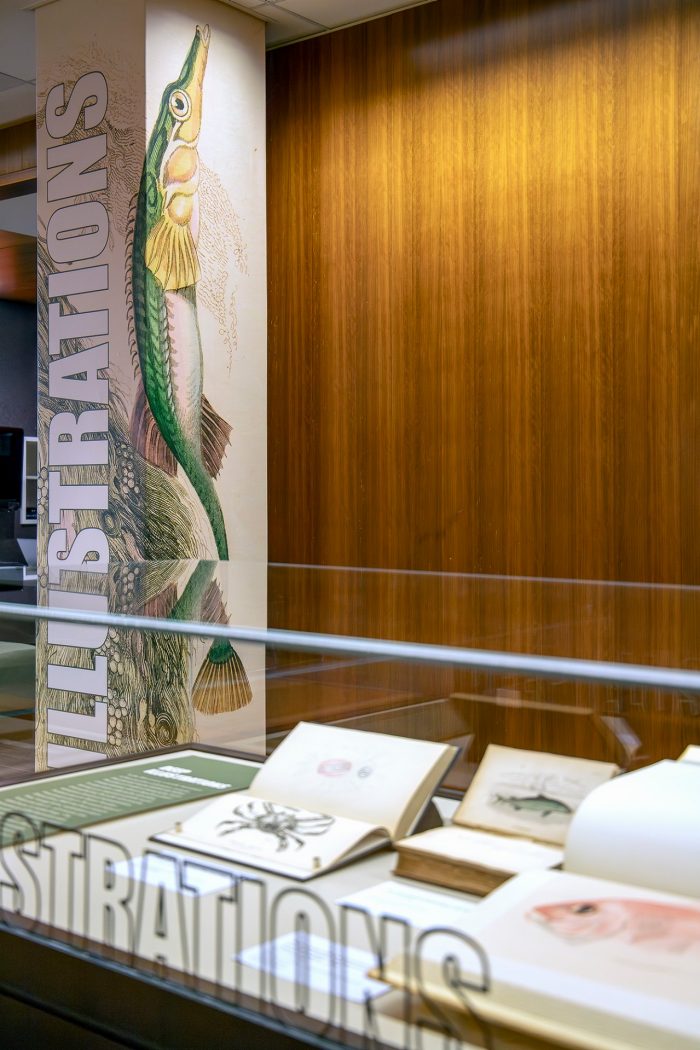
(423, 909)
(157, 870)
(304, 958)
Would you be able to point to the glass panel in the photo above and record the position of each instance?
(492, 688)
(80, 864)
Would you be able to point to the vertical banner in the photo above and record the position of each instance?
(152, 371)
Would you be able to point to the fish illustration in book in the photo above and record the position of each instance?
(650, 924)
(172, 423)
(533, 805)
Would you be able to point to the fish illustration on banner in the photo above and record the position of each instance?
(173, 425)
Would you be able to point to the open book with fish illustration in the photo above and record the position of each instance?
(513, 818)
(579, 961)
(324, 797)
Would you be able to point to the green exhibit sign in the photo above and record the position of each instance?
(91, 796)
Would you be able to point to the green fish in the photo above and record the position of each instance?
(173, 420)
(532, 804)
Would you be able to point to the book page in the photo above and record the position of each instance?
(529, 793)
(642, 828)
(383, 780)
(482, 849)
(573, 958)
(269, 835)
(691, 754)
(578, 941)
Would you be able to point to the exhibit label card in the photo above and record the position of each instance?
(163, 871)
(75, 800)
(315, 962)
(413, 904)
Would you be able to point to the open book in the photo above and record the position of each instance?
(642, 828)
(579, 961)
(513, 818)
(604, 954)
(324, 797)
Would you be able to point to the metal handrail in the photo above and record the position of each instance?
(599, 672)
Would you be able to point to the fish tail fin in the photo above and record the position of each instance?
(222, 683)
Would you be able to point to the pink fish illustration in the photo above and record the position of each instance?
(667, 927)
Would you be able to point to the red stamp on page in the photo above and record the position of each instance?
(334, 767)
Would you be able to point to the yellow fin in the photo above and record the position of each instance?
(171, 255)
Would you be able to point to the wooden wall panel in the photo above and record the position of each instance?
(17, 177)
(18, 153)
(484, 225)
(481, 354)
(17, 267)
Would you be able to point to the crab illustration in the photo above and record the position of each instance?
(284, 822)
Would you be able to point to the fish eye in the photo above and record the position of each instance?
(584, 909)
(180, 105)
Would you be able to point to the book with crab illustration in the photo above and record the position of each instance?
(513, 818)
(324, 797)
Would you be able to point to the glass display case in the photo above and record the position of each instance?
(117, 736)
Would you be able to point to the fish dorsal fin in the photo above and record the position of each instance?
(128, 279)
(146, 437)
(216, 434)
(213, 609)
(171, 255)
(161, 605)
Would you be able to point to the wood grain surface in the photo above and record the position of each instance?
(483, 233)
(17, 267)
(484, 225)
(18, 153)
(17, 176)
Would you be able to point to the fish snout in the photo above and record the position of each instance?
(537, 915)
